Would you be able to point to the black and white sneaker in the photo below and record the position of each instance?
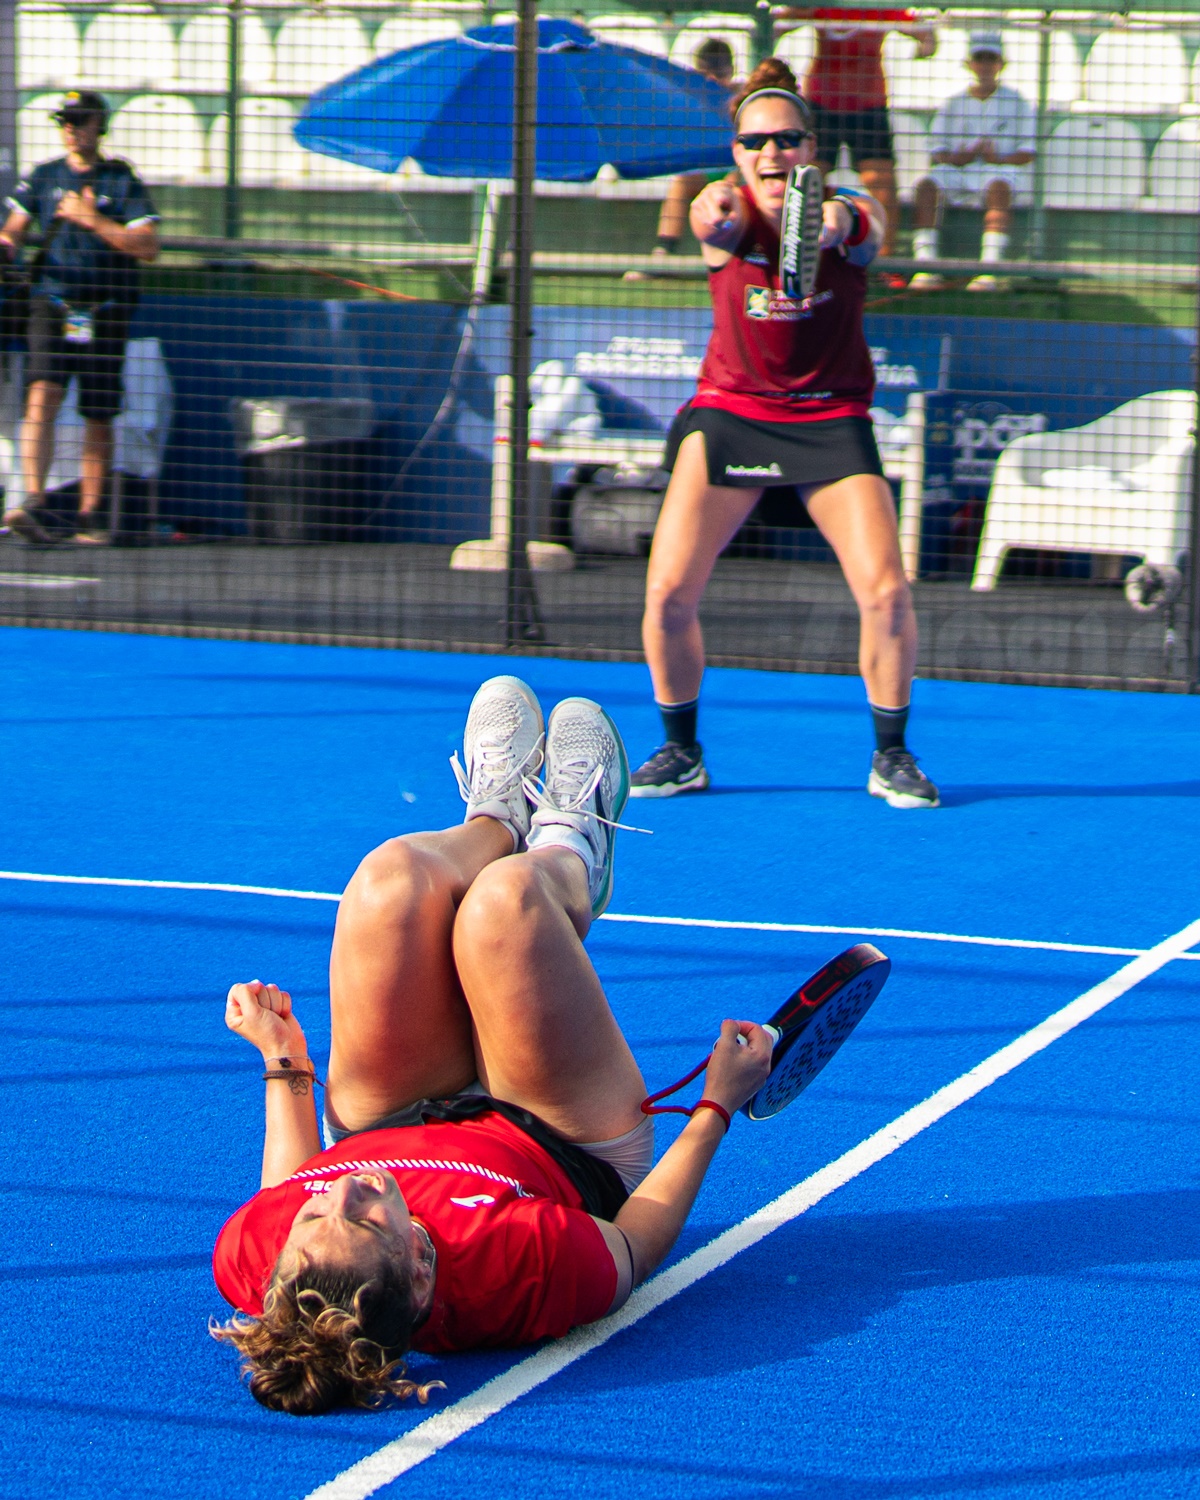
(896, 777)
(672, 768)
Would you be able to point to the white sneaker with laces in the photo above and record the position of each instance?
(502, 746)
(583, 792)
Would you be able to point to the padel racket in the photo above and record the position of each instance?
(815, 1021)
(809, 1027)
(800, 231)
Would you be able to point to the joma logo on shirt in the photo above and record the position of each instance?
(767, 306)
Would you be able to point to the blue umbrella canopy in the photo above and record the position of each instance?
(449, 105)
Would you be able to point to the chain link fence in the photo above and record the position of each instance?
(317, 439)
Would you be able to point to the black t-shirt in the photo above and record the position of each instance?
(78, 266)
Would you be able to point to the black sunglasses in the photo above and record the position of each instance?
(76, 116)
(786, 140)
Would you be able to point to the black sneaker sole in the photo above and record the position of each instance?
(696, 782)
(879, 788)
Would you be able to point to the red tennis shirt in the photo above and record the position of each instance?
(518, 1259)
(847, 71)
(774, 358)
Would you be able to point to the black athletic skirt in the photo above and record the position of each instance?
(743, 454)
(598, 1183)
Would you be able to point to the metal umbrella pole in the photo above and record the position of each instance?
(522, 622)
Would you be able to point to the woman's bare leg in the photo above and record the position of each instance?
(696, 524)
(400, 1026)
(545, 1038)
(857, 516)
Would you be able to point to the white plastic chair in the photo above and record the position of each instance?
(268, 154)
(797, 48)
(311, 51)
(1135, 73)
(204, 53)
(1175, 169)
(402, 32)
(1095, 162)
(1022, 52)
(911, 141)
(925, 83)
(38, 137)
(735, 31)
(48, 50)
(1120, 485)
(129, 49)
(161, 136)
(638, 32)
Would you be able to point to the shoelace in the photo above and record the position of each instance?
(538, 792)
(664, 756)
(496, 785)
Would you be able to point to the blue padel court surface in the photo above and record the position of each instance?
(1007, 1304)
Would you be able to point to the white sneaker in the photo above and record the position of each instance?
(987, 282)
(584, 791)
(502, 745)
(926, 281)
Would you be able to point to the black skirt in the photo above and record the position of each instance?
(743, 454)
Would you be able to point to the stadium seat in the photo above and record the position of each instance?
(38, 137)
(161, 136)
(925, 83)
(797, 48)
(911, 141)
(48, 49)
(1120, 485)
(402, 32)
(638, 32)
(1135, 73)
(1095, 163)
(269, 154)
(313, 50)
(130, 48)
(204, 53)
(1175, 169)
(1022, 51)
(735, 30)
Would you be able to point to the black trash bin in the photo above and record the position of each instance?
(305, 465)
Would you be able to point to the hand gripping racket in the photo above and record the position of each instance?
(800, 231)
(808, 1027)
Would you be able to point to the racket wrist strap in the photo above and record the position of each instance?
(716, 1108)
(860, 221)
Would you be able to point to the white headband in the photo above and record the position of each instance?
(789, 94)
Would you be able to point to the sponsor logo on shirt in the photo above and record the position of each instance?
(754, 471)
(475, 1201)
(767, 306)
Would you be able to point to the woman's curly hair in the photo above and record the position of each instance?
(326, 1338)
(771, 73)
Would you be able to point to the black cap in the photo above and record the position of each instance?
(79, 105)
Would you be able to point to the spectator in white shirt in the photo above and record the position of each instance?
(982, 143)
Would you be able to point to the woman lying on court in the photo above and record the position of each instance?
(782, 400)
(488, 1180)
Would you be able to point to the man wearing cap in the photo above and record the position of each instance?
(97, 223)
(982, 143)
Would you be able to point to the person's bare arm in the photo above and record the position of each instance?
(138, 240)
(641, 1235)
(262, 1013)
(840, 225)
(986, 151)
(925, 38)
(16, 227)
(718, 220)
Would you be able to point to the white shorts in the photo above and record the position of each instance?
(964, 187)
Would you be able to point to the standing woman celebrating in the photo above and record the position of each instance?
(783, 397)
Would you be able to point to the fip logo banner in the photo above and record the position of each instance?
(964, 437)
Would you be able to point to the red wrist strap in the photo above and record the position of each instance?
(715, 1107)
(860, 222)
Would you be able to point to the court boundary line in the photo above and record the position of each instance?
(412, 1448)
(718, 924)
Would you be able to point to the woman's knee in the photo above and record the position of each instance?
(670, 607)
(399, 881)
(886, 599)
(502, 902)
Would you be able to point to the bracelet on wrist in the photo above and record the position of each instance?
(293, 1069)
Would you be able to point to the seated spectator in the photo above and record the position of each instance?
(714, 59)
(983, 141)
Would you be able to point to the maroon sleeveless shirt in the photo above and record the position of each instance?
(774, 358)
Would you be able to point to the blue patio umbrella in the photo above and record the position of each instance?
(448, 104)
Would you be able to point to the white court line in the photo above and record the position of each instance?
(426, 1439)
(609, 916)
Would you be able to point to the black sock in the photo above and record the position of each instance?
(890, 724)
(679, 722)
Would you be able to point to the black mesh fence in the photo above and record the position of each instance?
(296, 422)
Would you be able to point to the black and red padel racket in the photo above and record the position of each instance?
(809, 1027)
(800, 231)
